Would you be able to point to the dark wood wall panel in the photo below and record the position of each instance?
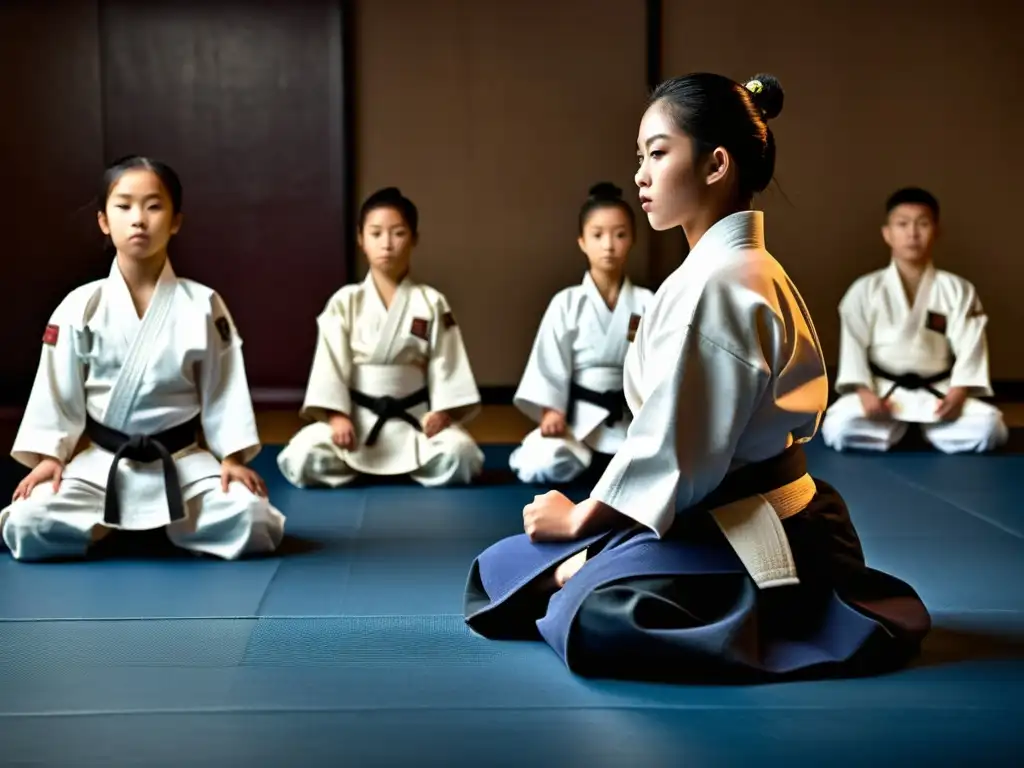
(242, 99)
(245, 100)
(50, 151)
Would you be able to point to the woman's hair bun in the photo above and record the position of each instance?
(767, 95)
(388, 193)
(605, 190)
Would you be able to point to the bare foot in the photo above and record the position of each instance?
(568, 569)
(552, 581)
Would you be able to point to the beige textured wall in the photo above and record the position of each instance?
(496, 118)
(881, 95)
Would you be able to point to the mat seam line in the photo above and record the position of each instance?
(977, 515)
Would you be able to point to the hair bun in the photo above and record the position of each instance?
(605, 190)
(767, 95)
(388, 193)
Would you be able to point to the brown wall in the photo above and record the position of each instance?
(496, 117)
(881, 95)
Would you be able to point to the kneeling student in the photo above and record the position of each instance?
(141, 362)
(572, 385)
(913, 348)
(391, 383)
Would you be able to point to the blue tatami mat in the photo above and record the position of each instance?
(348, 647)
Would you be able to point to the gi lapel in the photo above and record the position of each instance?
(617, 338)
(392, 329)
(597, 309)
(913, 320)
(144, 341)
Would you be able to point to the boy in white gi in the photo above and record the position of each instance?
(913, 347)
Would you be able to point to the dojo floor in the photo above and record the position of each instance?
(349, 649)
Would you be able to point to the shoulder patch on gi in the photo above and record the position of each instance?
(936, 322)
(223, 328)
(51, 334)
(419, 328)
(448, 318)
(634, 326)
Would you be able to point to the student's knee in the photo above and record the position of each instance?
(547, 460)
(466, 454)
(311, 459)
(230, 525)
(33, 532)
(845, 427)
(980, 429)
(459, 461)
(992, 429)
(999, 432)
(23, 519)
(463, 460)
(261, 524)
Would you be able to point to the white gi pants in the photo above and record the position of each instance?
(50, 525)
(980, 428)
(311, 459)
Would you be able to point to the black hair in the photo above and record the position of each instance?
(391, 197)
(605, 195)
(913, 196)
(167, 175)
(715, 111)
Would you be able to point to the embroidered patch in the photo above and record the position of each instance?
(50, 335)
(223, 328)
(634, 326)
(419, 328)
(448, 318)
(936, 322)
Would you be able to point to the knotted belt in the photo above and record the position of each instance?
(613, 401)
(144, 448)
(387, 407)
(910, 381)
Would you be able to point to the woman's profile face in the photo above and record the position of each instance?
(670, 186)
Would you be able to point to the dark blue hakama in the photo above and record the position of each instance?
(683, 608)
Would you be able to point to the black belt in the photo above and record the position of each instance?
(911, 380)
(387, 408)
(144, 448)
(761, 477)
(613, 401)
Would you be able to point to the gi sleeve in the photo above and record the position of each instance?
(968, 341)
(548, 374)
(329, 387)
(854, 340)
(55, 414)
(698, 399)
(229, 423)
(450, 377)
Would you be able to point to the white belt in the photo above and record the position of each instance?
(753, 527)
